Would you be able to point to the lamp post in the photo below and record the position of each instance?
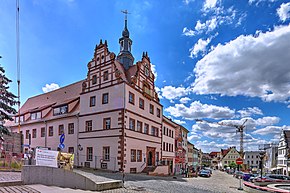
(262, 155)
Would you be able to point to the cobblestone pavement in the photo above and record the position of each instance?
(220, 182)
(16, 189)
(10, 176)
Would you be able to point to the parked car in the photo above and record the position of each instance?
(252, 178)
(238, 174)
(247, 176)
(204, 173)
(230, 171)
(277, 177)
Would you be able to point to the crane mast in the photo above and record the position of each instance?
(240, 129)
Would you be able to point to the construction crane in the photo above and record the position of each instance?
(240, 129)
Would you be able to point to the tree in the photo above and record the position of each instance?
(233, 165)
(7, 101)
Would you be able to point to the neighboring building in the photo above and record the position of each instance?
(206, 160)
(168, 143)
(228, 156)
(190, 147)
(252, 160)
(195, 158)
(271, 158)
(112, 119)
(215, 158)
(180, 149)
(283, 153)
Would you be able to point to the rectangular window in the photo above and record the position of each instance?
(163, 146)
(151, 110)
(164, 129)
(132, 124)
(154, 131)
(33, 133)
(70, 149)
(107, 123)
(50, 131)
(71, 128)
(94, 79)
(106, 153)
(27, 134)
(60, 129)
(158, 112)
(60, 110)
(139, 155)
(133, 155)
(92, 101)
(141, 103)
(105, 98)
(131, 98)
(89, 125)
(139, 126)
(146, 128)
(36, 115)
(42, 131)
(89, 153)
(106, 75)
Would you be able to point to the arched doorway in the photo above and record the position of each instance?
(150, 156)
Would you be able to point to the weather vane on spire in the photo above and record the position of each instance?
(126, 13)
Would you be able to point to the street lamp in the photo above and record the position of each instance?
(262, 155)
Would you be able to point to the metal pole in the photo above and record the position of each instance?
(240, 188)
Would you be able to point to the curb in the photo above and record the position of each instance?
(11, 183)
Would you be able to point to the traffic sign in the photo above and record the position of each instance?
(61, 138)
(239, 161)
(61, 146)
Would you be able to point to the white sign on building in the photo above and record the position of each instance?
(46, 158)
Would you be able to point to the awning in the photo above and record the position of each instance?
(277, 168)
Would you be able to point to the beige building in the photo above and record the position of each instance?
(112, 119)
(228, 156)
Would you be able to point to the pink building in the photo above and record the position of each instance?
(111, 120)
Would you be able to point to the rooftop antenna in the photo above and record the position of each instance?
(18, 60)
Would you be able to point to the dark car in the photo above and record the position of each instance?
(247, 176)
(204, 173)
(277, 177)
(238, 174)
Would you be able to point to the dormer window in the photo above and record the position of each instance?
(60, 110)
(146, 69)
(21, 119)
(35, 115)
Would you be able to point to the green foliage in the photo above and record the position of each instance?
(7, 101)
(233, 165)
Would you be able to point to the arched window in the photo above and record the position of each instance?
(146, 69)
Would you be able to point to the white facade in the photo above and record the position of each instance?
(251, 159)
(282, 165)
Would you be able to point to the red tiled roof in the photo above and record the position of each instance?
(58, 96)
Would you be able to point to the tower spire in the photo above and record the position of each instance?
(125, 57)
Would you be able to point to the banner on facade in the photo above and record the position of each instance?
(46, 158)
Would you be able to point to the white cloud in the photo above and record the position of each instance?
(197, 110)
(184, 100)
(50, 87)
(157, 89)
(180, 122)
(257, 2)
(188, 32)
(187, 1)
(247, 112)
(208, 26)
(153, 68)
(170, 92)
(250, 66)
(271, 130)
(200, 46)
(209, 4)
(265, 121)
(284, 11)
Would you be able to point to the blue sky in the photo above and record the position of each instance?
(216, 60)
